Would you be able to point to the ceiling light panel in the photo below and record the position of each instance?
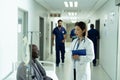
(72, 13)
(69, 13)
(75, 4)
(71, 4)
(75, 13)
(66, 4)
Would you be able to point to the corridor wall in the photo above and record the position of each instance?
(35, 11)
(8, 37)
(108, 15)
(8, 31)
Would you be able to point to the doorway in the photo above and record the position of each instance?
(69, 27)
(41, 38)
(97, 24)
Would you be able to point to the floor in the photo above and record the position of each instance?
(64, 71)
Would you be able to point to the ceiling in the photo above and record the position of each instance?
(84, 10)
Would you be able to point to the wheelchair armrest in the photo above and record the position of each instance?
(48, 65)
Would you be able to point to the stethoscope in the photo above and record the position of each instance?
(78, 43)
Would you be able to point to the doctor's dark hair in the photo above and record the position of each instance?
(82, 26)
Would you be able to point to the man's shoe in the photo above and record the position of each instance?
(94, 64)
(57, 65)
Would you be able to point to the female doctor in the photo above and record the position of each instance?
(82, 62)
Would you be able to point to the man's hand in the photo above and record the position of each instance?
(63, 40)
(75, 57)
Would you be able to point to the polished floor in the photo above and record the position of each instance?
(64, 71)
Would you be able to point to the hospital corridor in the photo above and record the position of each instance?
(51, 40)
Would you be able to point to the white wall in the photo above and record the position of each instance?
(34, 12)
(108, 14)
(8, 31)
(118, 56)
(8, 36)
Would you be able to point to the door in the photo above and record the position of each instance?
(97, 24)
(51, 37)
(41, 39)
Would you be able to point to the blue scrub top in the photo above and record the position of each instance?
(59, 34)
(72, 34)
(93, 34)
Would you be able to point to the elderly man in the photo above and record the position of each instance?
(37, 72)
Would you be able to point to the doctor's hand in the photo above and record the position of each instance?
(75, 57)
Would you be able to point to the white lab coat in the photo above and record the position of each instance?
(83, 71)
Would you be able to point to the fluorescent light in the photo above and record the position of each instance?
(66, 4)
(71, 4)
(69, 13)
(73, 21)
(75, 4)
(72, 13)
(75, 13)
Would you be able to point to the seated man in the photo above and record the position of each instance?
(37, 71)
